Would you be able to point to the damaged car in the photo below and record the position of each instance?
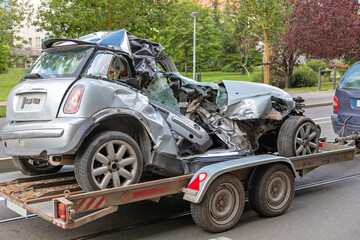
(115, 106)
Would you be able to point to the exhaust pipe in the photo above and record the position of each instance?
(56, 160)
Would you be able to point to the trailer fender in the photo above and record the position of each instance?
(202, 179)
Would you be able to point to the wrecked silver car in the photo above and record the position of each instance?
(116, 108)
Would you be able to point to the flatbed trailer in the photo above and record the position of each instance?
(216, 192)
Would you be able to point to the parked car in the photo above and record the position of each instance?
(116, 108)
(346, 104)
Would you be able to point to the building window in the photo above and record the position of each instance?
(37, 42)
(30, 42)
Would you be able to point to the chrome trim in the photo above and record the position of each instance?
(39, 133)
(34, 90)
(187, 127)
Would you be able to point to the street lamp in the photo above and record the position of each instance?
(194, 15)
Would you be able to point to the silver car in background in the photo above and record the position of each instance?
(115, 107)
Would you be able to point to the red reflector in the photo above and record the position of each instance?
(150, 192)
(195, 185)
(320, 145)
(62, 211)
(336, 104)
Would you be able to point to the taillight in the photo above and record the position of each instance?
(336, 104)
(62, 210)
(72, 104)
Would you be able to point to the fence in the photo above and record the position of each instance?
(334, 78)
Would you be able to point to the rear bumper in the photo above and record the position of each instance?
(59, 136)
(338, 124)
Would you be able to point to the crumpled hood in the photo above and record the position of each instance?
(248, 100)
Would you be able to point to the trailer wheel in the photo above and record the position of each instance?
(271, 189)
(298, 136)
(30, 166)
(109, 159)
(222, 205)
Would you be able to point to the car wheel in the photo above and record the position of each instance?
(30, 166)
(222, 205)
(298, 136)
(109, 159)
(271, 189)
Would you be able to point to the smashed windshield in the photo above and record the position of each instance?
(60, 62)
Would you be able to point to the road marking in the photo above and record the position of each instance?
(220, 238)
(323, 122)
(316, 119)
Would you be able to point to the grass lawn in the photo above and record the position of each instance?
(2, 111)
(309, 89)
(218, 76)
(8, 81)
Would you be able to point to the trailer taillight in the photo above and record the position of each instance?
(62, 211)
(336, 104)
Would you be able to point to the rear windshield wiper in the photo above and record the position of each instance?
(33, 75)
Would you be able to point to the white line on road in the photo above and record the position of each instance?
(316, 119)
(323, 122)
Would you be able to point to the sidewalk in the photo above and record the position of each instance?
(315, 99)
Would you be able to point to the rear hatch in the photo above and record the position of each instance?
(41, 91)
(348, 95)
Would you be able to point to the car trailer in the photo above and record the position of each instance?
(216, 192)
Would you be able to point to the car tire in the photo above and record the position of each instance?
(108, 159)
(222, 205)
(298, 136)
(271, 189)
(33, 167)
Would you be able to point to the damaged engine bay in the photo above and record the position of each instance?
(237, 116)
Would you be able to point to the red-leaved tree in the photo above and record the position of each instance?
(320, 28)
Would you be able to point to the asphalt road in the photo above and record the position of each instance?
(326, 212)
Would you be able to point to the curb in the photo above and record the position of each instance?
(312, 105)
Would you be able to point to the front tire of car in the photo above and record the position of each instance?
(108, 159)
(31, 167)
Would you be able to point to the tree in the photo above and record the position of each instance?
(177, 34)
(12, 15)
(74, 18)
(267, 18)
(236, 37)
(323, 29)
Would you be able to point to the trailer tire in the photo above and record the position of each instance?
(222, 205)
(33, 167)
(298, 136)
(108, 159)
(271, 189)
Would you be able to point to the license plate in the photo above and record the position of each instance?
(16, 208)
(30, 102)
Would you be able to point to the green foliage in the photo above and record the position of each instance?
(315, 65)
(257, 77)
(2, 111)
(177, 34)
(74, 18)
(4, 57)
(228, 68)
(303, 76)
(8, 80)
(11, 18)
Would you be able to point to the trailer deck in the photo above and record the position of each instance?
(43, 194)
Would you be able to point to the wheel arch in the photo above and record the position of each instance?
(242, 168)
(129, 125)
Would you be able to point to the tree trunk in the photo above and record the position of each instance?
(186, 60)
(266, 58)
